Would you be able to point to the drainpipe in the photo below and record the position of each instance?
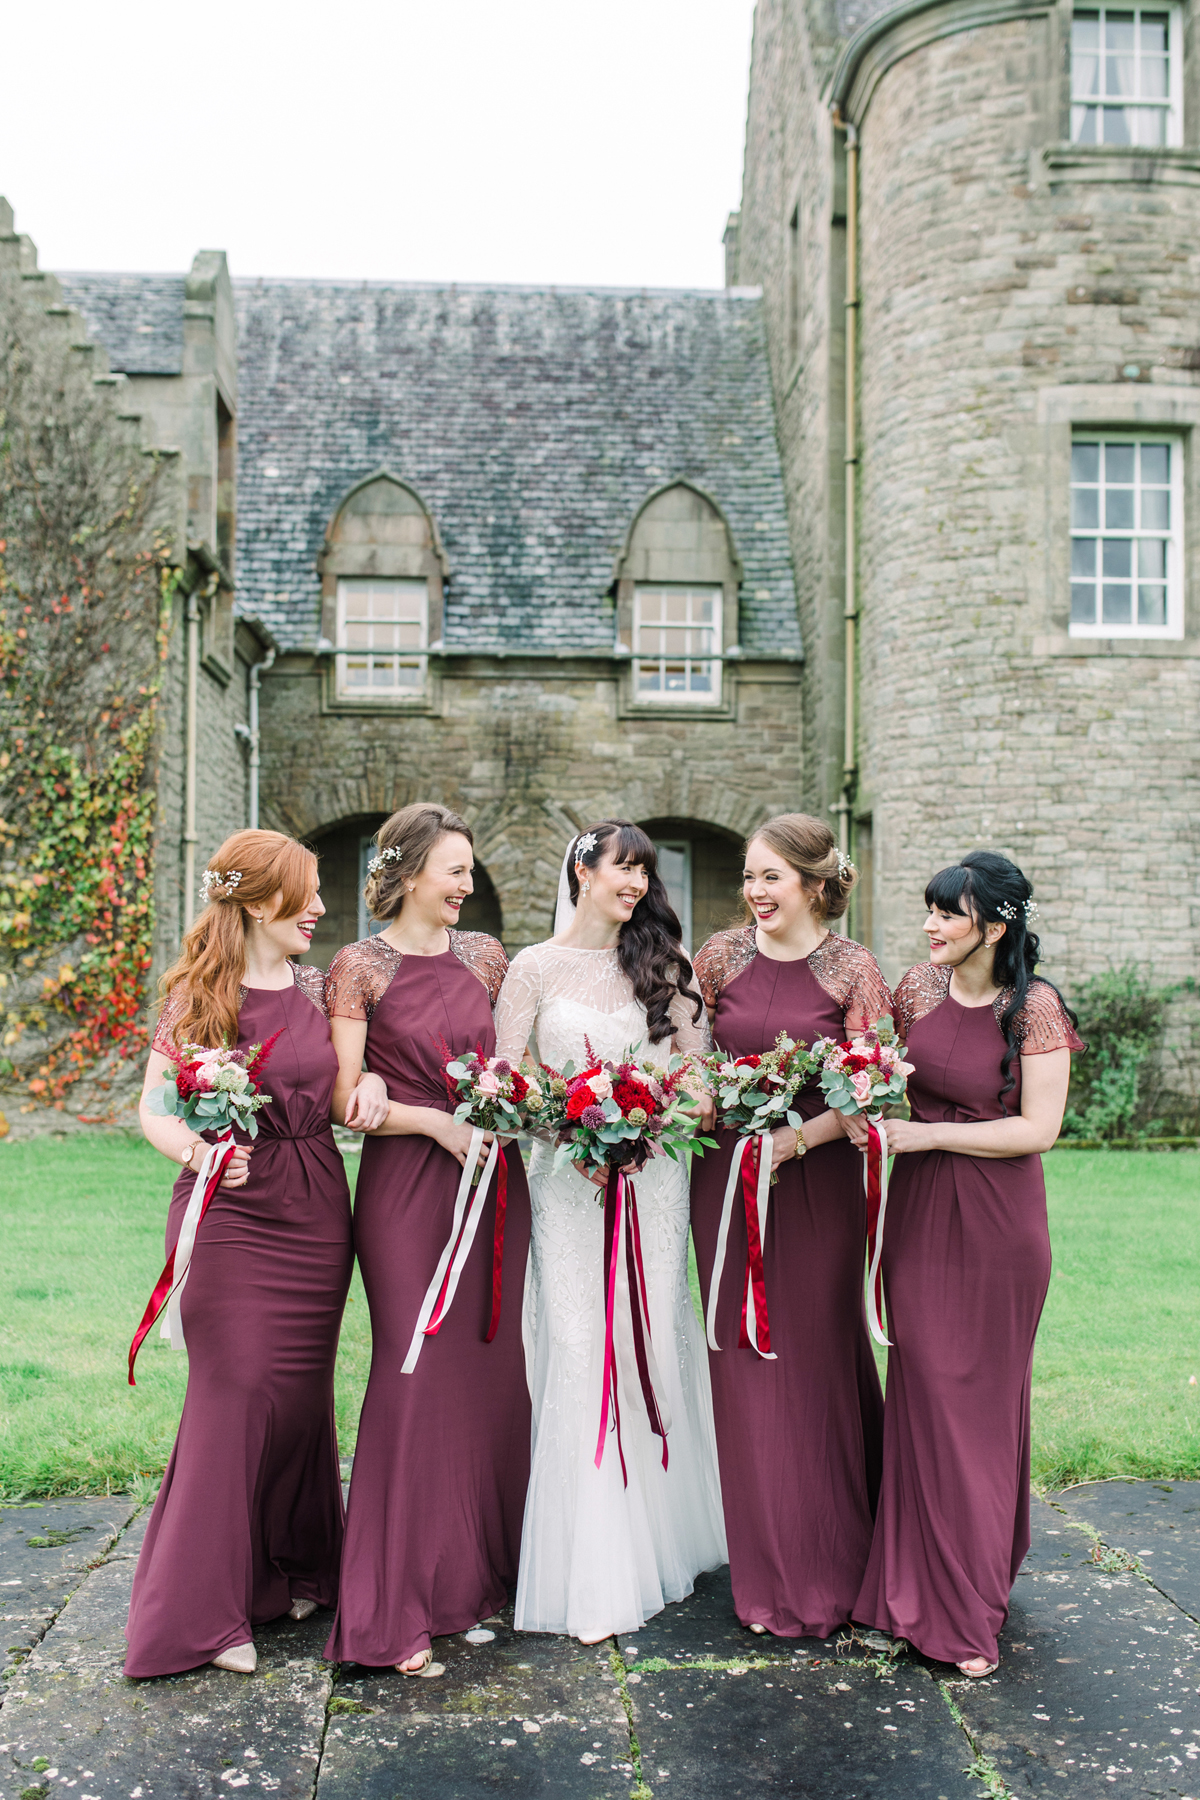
(189, 775)
(845, 804)
(257, 671)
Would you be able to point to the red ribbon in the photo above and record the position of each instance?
(620, 1208)
(166, 1281)
(756, 1280)
(498, 1244)
(874, 1192)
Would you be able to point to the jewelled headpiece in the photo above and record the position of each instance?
(1007, 910)
(845, 866)
(587, 841)
(383, 858)
(212, 880)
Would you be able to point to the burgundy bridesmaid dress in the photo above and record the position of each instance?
(249, 1516)
(442, 1462)
(799, 1438)
(966, 1265)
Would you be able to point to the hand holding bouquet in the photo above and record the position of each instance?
(491, 1094)
(611, 1115)
(863, 1076)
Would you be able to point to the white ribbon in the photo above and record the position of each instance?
(172, 1320)
(458, 1244)
(873, 1318)
(762, 1198)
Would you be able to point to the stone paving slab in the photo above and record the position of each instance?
(1157, 1521)
(71, 1720)
(705, 1624)
(523, 1715)
(812, 1731)
(46, 1548)
(1097, 1692)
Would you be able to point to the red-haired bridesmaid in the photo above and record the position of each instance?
(442, 1460)
(966, 1265)
(248, 1521)
(798, 1437)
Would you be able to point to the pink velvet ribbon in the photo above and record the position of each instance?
(621, 1223)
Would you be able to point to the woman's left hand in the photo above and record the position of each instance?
(784, 1143)
(909, 1135)
(367, 1107)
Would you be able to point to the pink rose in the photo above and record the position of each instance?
(860, 1081)
(488, 1083)
(601, 1085)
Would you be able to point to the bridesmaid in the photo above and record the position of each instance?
(966, 1265)
(248, 1521)
(799, 1439)
(442, 1463)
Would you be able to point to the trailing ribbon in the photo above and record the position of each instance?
(168, 1289)
(498, 1244)
(875, 1181)
(468, 1209)
(751, 1167)
(622, 1229)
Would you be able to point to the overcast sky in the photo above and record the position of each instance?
(471, 140)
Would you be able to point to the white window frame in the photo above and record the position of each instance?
(395, 693)
(1171, 105)
(661, 696)
(681, 847)
(1173, 537)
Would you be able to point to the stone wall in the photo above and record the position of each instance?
(529, 752)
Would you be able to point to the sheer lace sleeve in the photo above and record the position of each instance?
(484, 956)
(311, 983)
(725, 955)
(921, 989)
(851, 975)
(359, 976)
(1042, 1023)
(517, 1006)
(173, 1008)
(691, 1034)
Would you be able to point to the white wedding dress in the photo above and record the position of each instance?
(596, 1556)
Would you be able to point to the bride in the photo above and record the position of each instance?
(599, 1556)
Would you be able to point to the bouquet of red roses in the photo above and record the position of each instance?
(612, 1114)
(492, 1094)
(756, 1093)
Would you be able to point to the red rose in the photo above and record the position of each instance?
(581, 1098)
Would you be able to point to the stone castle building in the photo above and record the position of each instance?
(901, 527)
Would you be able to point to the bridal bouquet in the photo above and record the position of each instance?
(492, 1094)
(755, 1093)
(863, 1076)
(610, 1114)
(214, 1090)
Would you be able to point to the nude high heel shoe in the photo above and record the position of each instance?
(302, 1609)
(240, 1659)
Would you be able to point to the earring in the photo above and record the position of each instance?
(412, 887)
(585, 887)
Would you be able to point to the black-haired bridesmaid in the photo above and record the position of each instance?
(800, 1437)
(437, 1495)
(966, 1265)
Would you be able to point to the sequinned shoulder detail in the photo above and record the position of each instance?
(921, 990)
(723, 957)
(358, 978)
(173, 1009)
(851, 976)
(485, 956)
(311, 983)
(1042, 1023)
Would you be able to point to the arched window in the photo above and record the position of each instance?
(677, 599)
(382, 574)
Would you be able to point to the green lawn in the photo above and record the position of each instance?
(81, 1225)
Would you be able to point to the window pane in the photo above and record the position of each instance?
(1152, 605)
(1117, 606)
(1085, 462)
(1154, 78)
(1116, 125)
(1118, 558)
(1085, 508)
(1156, 509)
(1118, 509)
(1156, 464)
(1151, 122)
(1152, 559)
(674, 678)
(1083, 603)
(701, 678)
(1153, 33)
(1083, 557)
(1118, 462)
(648, 682)
(1084, 121)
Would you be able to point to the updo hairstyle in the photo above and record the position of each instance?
(808, 846)
(409, 835)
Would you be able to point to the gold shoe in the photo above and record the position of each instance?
(239, 1659)
(302, 1609)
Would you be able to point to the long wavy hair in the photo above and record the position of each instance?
(989, 889)
(211, 965)
(649, 947)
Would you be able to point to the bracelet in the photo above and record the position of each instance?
(801, 1147)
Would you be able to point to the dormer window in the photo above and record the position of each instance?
(677, 633)
(385, 624)
(1127, 76)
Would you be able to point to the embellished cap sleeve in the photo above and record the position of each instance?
(484, 956)
(311, 983)
(358, 978)
(849, 973)
(1042, 1023)
(920, 990)
(173, 1009)
(723, 957)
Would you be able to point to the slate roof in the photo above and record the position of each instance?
(138, 319)
(532, 422)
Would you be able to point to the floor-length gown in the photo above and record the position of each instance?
(799, 1438)
(442, 1460)
(966, 1265)
(598, 1556)
(249, 1515)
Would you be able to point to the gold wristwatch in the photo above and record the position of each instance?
(187, 1156)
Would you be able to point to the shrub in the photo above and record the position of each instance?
(1117, 1088)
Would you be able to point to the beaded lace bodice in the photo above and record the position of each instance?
(847, 972)
(1040, 1026)
(561, 994)
(308, 981)
(361, 973)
